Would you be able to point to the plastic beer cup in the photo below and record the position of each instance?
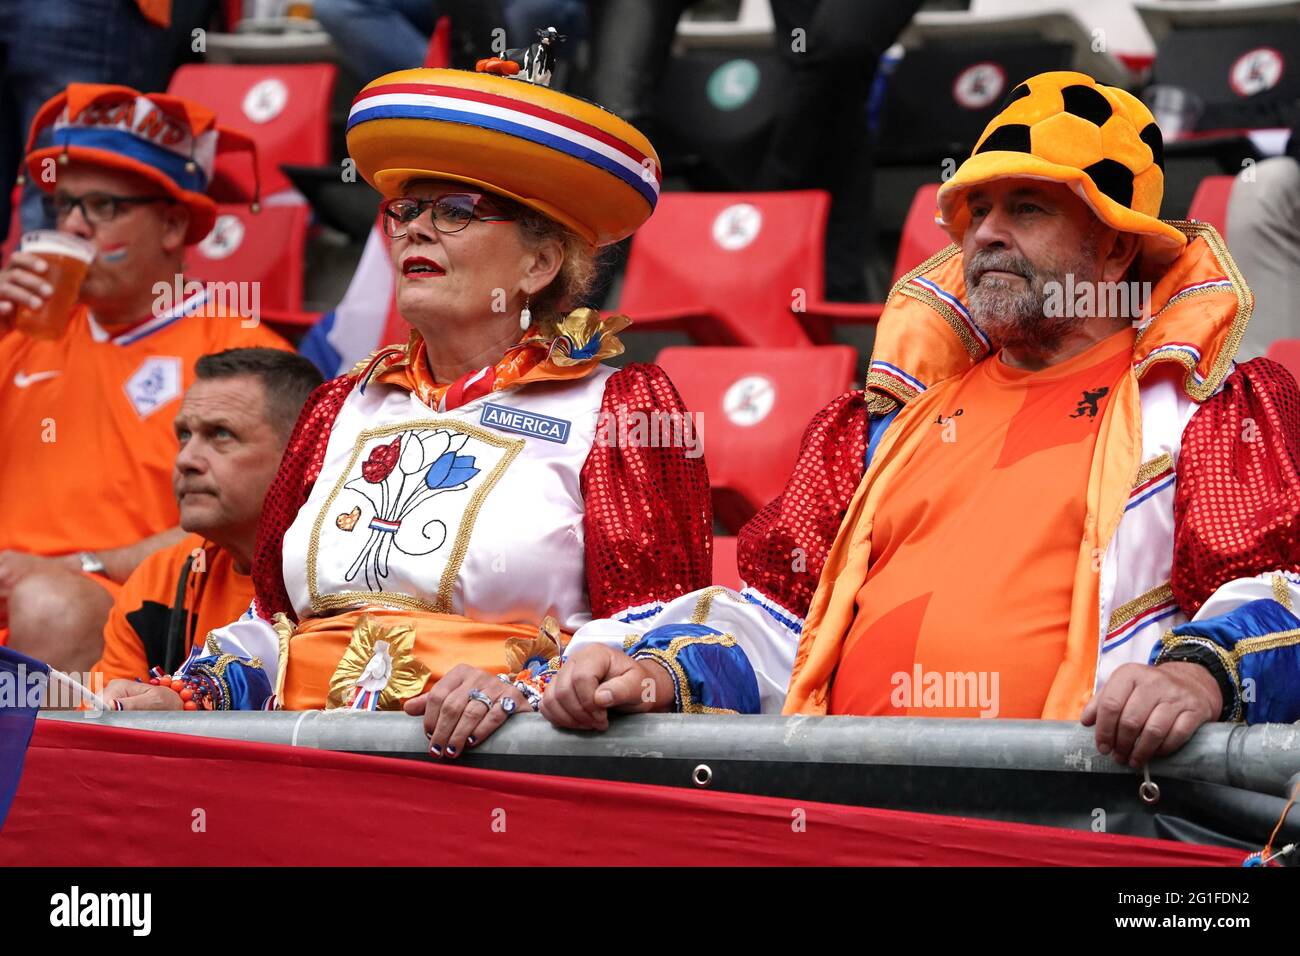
(67, 257)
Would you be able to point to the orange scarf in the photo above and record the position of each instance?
(569, 348)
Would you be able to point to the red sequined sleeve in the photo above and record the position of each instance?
(1237, 505)
(781, 549)
(299, 468)
(649, 517)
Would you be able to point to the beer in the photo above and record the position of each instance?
(68, 257)
(264, 9)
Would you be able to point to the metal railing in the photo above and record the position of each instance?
(1264, 758)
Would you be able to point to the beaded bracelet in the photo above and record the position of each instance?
(197, 690)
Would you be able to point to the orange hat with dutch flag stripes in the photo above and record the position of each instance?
(567, 158)
(171, 141)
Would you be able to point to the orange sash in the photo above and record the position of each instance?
(318, 653)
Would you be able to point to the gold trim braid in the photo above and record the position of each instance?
(1130, 610)
(973, 347)
(899, 394)
(879, 405)
(705, 604)
(1281, 591)
(939, 258)
(1156, 466)
(1267, 642)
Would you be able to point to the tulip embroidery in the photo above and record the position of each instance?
(400, 479)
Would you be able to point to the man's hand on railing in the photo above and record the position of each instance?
(1145, 711)
(134, 695)
(597, 679)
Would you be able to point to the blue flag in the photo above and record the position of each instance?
(23, 682)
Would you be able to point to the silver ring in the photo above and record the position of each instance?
(482, 698)
(508, 704)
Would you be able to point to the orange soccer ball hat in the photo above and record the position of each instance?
(1065, 127)
(567, 158)
(171, 141)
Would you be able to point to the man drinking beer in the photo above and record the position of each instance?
(88, 393)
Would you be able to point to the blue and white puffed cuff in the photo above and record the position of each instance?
(711, 674)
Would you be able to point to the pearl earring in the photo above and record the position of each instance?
(525, 317)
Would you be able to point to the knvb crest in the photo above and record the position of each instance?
(155, 383)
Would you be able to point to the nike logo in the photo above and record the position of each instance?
(22, 379)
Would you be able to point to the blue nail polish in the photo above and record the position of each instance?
(435, 750)
(451, 751)
(470, 741)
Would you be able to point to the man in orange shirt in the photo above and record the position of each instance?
(232, 427)
(84, 483)
(1058, 496)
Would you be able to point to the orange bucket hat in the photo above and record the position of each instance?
(1067, 128)
(170, 141)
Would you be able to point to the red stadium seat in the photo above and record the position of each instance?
(264, 247)
(1210, 202)
(285, 108)
(725, 571)
(1287, 352)
(733, 269)
(755, 404)
(922, 237)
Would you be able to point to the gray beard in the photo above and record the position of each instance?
(1012, 316)
(1014, 319)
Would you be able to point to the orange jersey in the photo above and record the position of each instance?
(966, 604)
(136, 635)
(87, 428)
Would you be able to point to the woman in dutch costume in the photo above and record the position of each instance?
(450, 511)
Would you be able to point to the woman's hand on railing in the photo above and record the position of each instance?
(597, 679)
(456, 714)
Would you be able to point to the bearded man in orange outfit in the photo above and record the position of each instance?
(1058, 496)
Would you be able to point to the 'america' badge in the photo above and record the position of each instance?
(525, 423)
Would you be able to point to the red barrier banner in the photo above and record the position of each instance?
(95, 796)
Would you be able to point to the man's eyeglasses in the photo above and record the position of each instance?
(95, 207)
(451, 213)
